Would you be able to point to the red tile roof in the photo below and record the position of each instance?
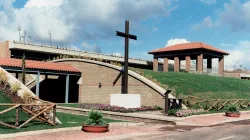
(189, 46)
(41, 65)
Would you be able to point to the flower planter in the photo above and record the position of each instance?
(95, 129)
(231, 114)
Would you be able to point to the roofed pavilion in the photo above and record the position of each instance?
(189, 51)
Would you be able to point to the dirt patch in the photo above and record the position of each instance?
(14, 98)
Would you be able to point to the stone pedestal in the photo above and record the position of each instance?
(126, 100)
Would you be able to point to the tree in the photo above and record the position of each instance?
(23, 68)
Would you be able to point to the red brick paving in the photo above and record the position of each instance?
(212, 119)
(123, 130)
(80, 135)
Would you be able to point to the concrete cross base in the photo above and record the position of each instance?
(126, 100)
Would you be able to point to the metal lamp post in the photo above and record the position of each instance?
(50, 38)
(19, 29)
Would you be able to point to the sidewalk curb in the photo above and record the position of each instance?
(47, 131)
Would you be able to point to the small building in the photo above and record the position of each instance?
(189, 51)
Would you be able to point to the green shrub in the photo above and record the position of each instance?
(172, 112)
(232, 109)
(156, 107)
(95, 119)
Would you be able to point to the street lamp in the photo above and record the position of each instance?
(24, 34)
(30, 38)
(19, 29)
(50, 38)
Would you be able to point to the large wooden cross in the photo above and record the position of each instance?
(127, 36)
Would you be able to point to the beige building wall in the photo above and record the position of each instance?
(93, 74)
(4, 49)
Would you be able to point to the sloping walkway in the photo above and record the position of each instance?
(211, 119)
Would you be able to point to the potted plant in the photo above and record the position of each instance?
(95, 123)
(232, 111)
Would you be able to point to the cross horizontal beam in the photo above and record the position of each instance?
(125, 35)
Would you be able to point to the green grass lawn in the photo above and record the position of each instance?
(68, 105)
(203, 86)
(68, 120)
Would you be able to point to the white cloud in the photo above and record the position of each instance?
(155, 29)
(72, 21)
(235, 14)
(238, 56)
(92, 48)
(176, 41)
(43, 3)
(206, 23)
(226, 45)
(208, 2)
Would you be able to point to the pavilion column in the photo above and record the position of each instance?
(221, 66)
(16, 75)
(199, 63)
(176, 64)
(37, 83)
(165, 66)
(67, 89)
(187, 63)
(209, 63)
(155, 64)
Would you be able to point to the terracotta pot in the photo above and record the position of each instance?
(95, 129)
(231, 114)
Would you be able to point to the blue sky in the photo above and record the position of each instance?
(91, 25)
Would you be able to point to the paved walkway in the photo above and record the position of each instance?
(212, 119)
(127, 132)
(114, 132)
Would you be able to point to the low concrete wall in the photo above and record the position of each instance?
(233, 75)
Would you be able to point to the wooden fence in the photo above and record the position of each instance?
(217, 104)
(38, 113)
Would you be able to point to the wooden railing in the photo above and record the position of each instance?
(217, 104)
(38, 113)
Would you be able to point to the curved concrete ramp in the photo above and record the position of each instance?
(95, 72)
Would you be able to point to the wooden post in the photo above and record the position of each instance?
(54, 114)
(180, 103)
(174, 104)
(16, 75)
(167, 101)
(17, 116)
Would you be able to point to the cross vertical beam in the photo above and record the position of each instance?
(127, 36)
(37, 83)
(126, 58)
(67, 89)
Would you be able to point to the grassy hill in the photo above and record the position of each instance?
(203, 86)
